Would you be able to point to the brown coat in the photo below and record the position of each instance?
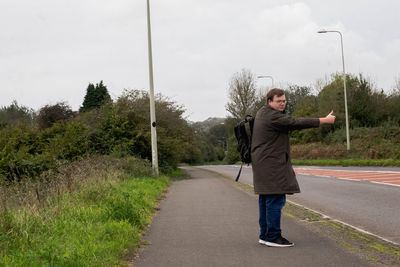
(270, 151)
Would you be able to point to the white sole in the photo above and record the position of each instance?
(262, 242)
(270, 244)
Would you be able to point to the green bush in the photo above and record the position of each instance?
(120, 128)
(66, 141)
(233, 155)
(20, 154)
(15, 114)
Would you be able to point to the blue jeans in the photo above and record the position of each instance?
(270, 215)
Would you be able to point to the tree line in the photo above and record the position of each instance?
(368, 107)
(35, 142)
(32, 142)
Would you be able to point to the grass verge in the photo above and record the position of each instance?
(94, 225)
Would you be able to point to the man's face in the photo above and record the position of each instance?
(278, 103)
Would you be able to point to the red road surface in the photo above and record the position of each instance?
(392, 178)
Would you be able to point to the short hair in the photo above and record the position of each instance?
(274, 92)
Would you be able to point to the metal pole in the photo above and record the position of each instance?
(345, 93)
(152, 105)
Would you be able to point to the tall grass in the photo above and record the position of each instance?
(88, 221)
(35, 192)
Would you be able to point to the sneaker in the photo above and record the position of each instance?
(262, 241)
(279, 242)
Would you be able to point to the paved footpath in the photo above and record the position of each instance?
(205, 221)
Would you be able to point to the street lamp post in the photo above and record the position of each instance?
(267, 76)
(344, 84)
(152, 105)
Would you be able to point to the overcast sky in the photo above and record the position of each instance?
(51, 49)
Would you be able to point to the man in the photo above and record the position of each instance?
(273, 175)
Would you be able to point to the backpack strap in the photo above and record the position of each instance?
(240, 171)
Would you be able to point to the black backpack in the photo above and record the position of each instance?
(243, 134)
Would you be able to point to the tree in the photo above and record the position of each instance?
(367, 107)
(301, 102)
(331, 97)
(90, 98)
(95, 97)
(50, 114)
(14, 114)
(361, 107)
(393, 102)
(242, 95)
(125, 125)
(396, 87)
(204, 126)
(232, 155)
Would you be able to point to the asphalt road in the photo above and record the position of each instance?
(368, 206)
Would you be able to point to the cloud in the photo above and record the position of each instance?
(51, 50)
